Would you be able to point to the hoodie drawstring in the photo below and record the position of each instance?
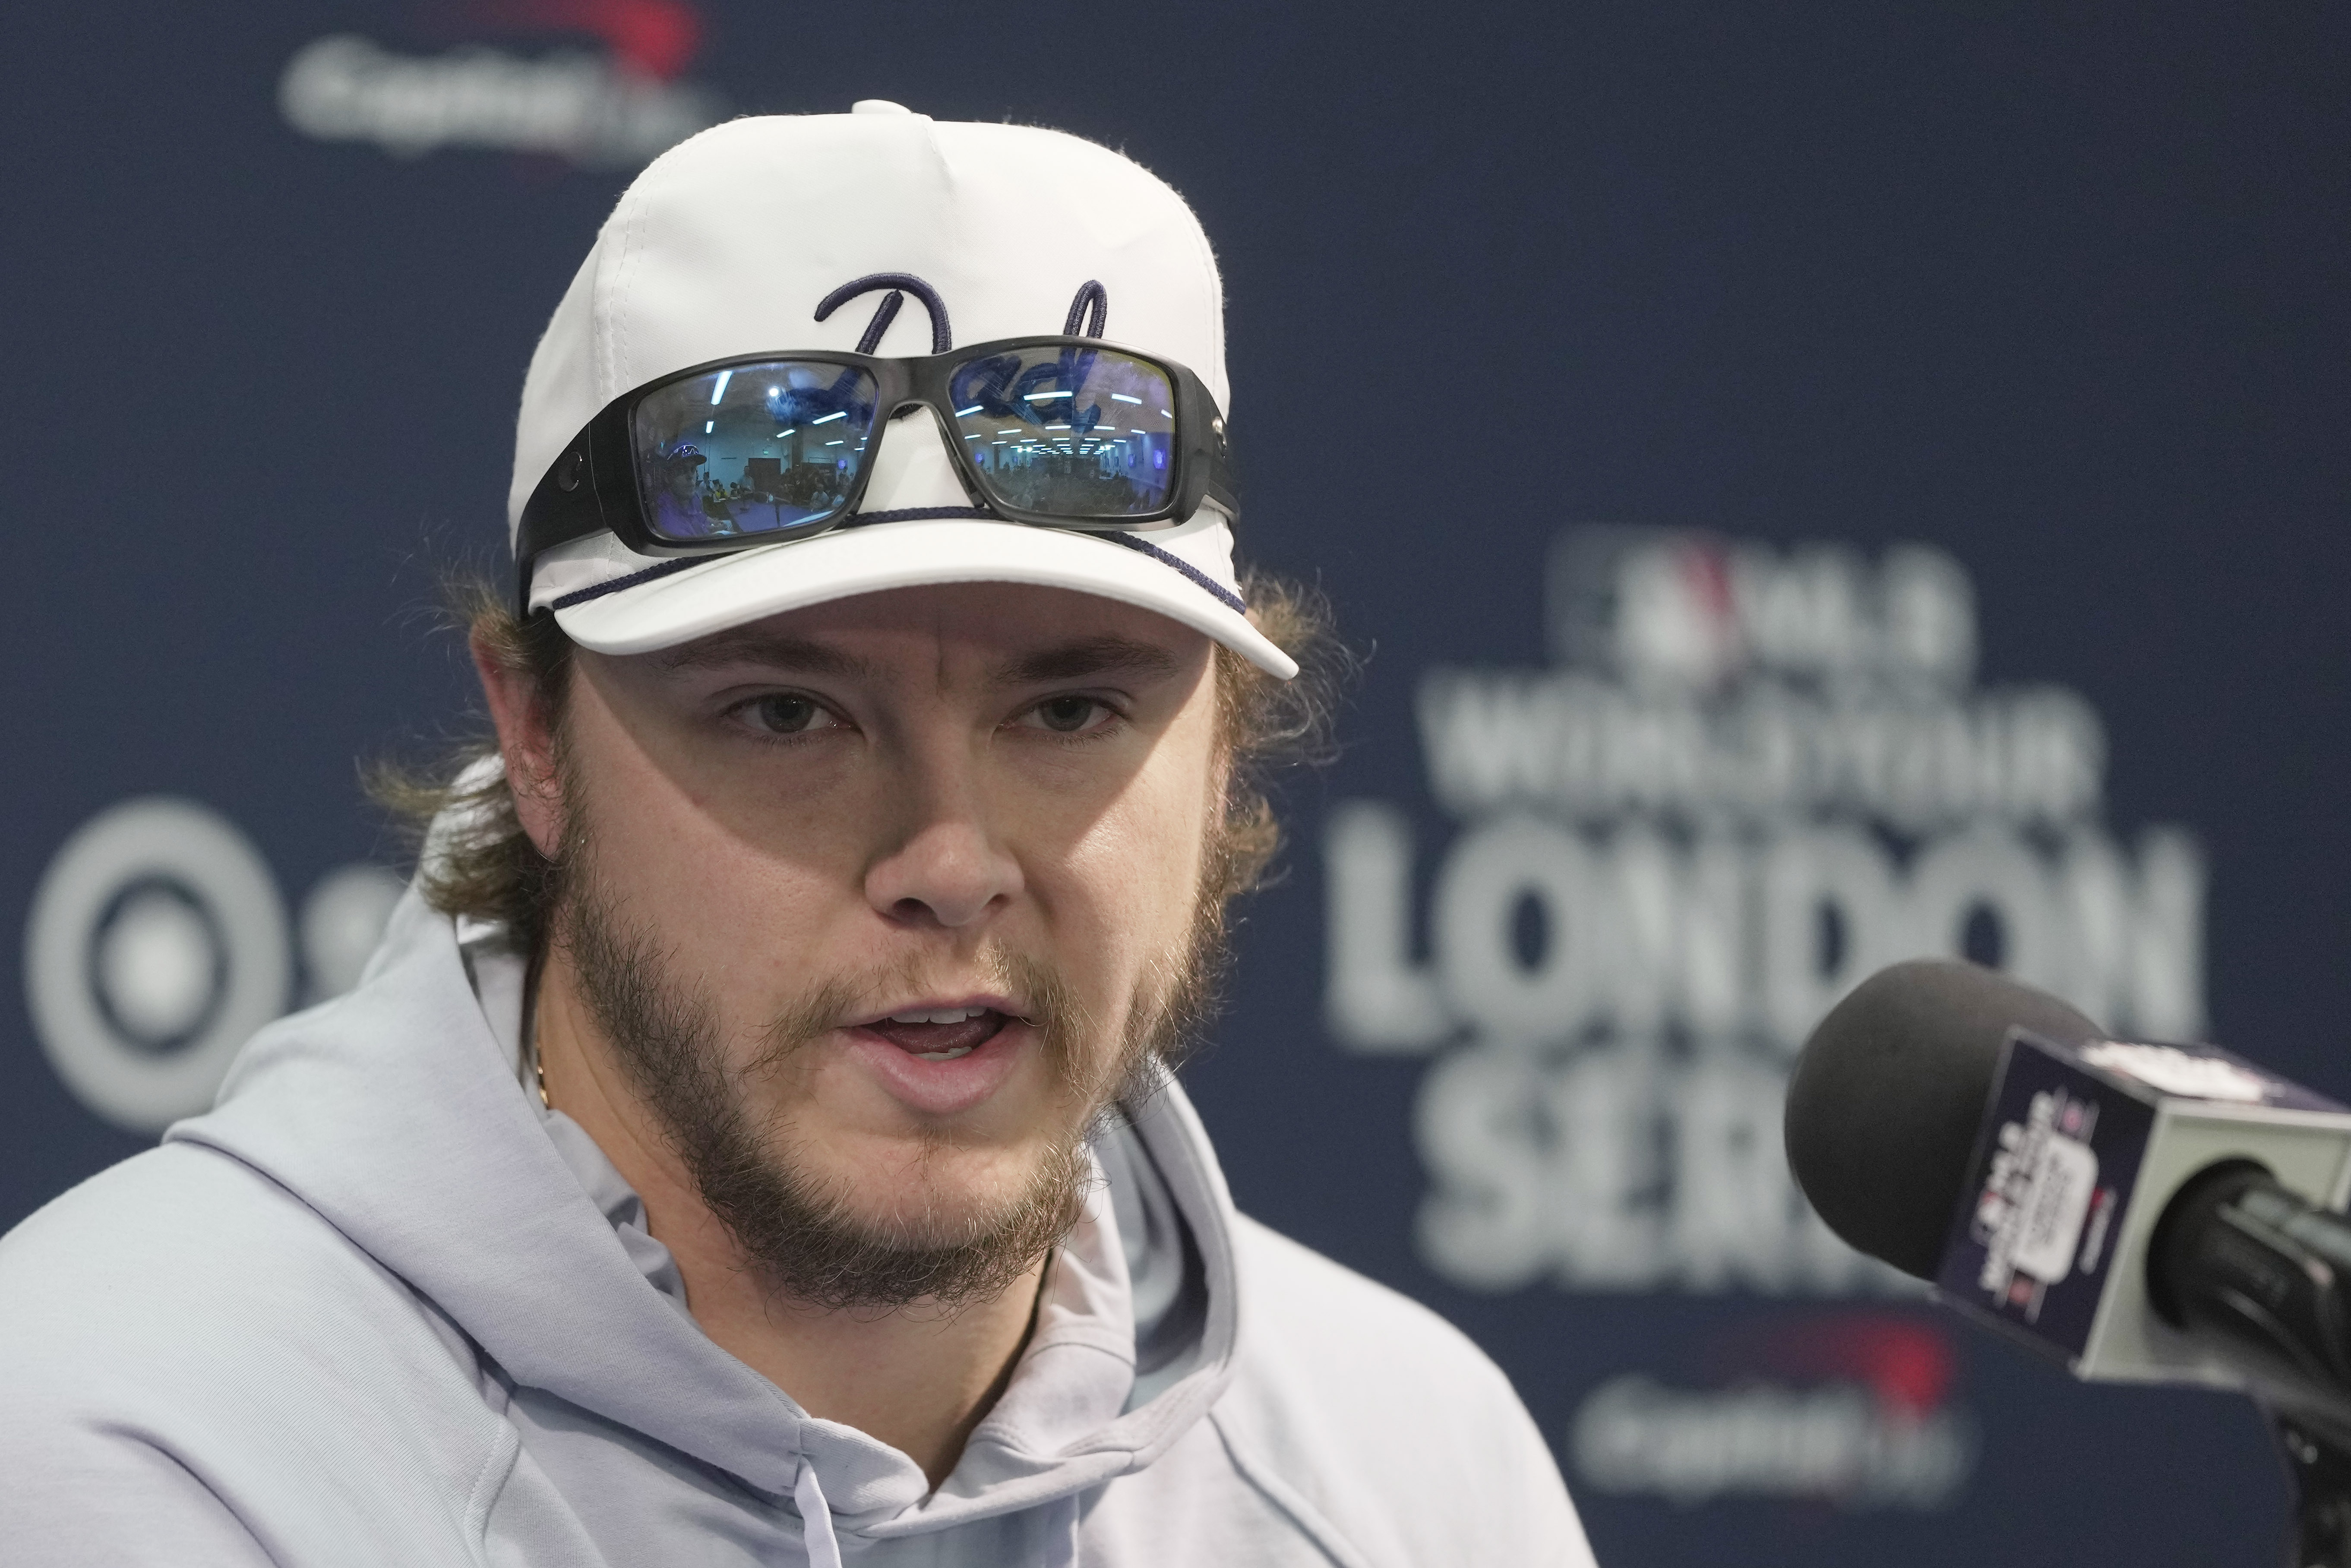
(823, 1548)
(1061, 1534)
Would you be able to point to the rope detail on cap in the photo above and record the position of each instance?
(1168, 559)
(582, 596)
(1090, 293)
(942, 335)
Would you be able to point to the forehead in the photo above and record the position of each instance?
(991, 631)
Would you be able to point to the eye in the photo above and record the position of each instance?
(786, 713)
(1070, 715)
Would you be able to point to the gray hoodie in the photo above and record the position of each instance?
(379, 1306)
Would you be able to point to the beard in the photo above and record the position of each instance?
(799, 1230)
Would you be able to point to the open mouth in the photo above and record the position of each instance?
(943, 1056)
(941, 1035)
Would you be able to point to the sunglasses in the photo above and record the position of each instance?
(1057, 432)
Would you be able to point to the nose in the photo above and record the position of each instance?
(945, 868)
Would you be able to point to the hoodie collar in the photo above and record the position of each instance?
(395, 1113)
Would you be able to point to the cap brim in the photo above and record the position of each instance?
(734, 589)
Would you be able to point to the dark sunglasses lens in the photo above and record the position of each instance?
(1083, 433)
(754, 449)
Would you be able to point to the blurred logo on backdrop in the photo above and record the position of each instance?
(1853, 1411)
(1749, 778)
(157, 942)
(615, 106)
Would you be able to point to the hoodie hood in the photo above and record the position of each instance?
(396, 1113)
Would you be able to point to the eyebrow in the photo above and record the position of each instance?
(1090, 656)
(728, 649)
(1108, 654)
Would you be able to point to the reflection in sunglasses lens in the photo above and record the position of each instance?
(1068, 431)
(751, 450)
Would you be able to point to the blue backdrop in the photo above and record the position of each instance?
(1909, 516)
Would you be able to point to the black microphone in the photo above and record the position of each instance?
(2146, 1213)
(1886, 1101)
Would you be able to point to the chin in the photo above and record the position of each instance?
(931, 1191)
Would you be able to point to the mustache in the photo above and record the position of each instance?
(1052, 1008)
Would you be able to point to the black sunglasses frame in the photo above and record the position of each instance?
(591, 486)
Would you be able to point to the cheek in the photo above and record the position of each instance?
(744, 911)
(1123, 898)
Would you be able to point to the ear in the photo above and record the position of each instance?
(526, 741)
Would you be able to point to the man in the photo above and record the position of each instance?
(753, 1142)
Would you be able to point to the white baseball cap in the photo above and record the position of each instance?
(726, 246)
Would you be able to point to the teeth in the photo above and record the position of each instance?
(943, 1055)
(944, 1015)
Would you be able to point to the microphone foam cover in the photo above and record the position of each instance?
(1885, 1102)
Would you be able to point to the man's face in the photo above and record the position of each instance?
(885, 896)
